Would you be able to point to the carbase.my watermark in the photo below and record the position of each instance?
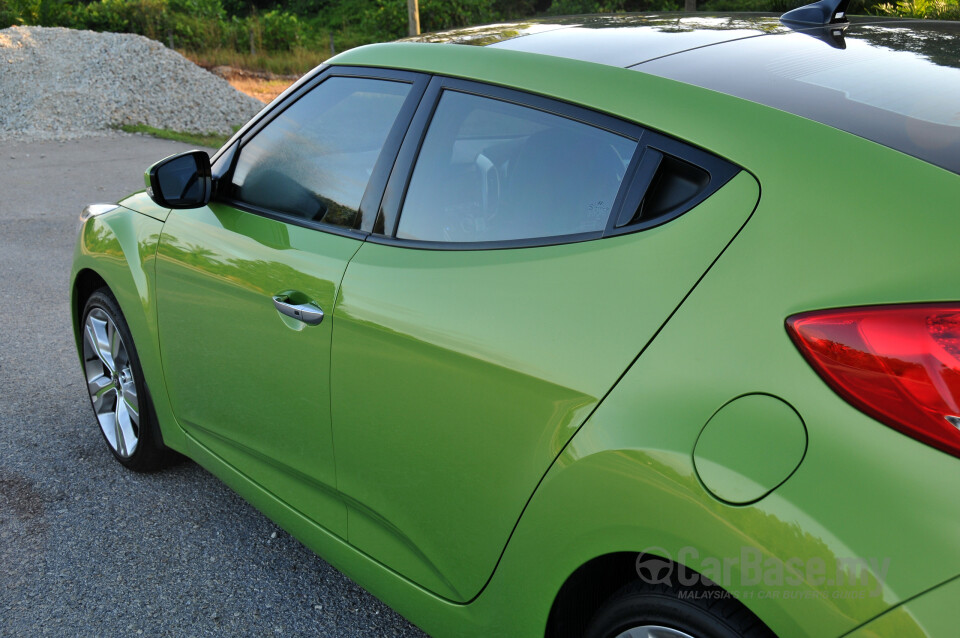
(751, 574)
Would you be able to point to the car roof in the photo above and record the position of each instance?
(612, 39)
(895, 82)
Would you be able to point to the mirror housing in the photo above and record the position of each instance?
(180, 181)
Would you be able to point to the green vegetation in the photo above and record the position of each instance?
(933, 9)
(292, 62)
(254, 26)
(210, 140)
(293, 36)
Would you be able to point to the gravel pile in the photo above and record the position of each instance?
(58, 83)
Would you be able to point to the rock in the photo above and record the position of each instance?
(66, 84)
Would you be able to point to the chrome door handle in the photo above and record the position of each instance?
(308, 313)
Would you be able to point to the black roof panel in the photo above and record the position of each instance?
(894, 82)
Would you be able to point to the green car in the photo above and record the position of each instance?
(615, 326)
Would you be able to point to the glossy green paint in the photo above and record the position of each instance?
(120, 247)
(862, 490)
(141, 203)
(460, 375)
(801, 253)
(626, 481)
(248, 383)
(934, 613)
(749, 447)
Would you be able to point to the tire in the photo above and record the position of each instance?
(115, 384)
(643, 610)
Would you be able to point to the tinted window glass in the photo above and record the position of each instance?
(315, 158)
(491, 171)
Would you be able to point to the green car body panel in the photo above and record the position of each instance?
(734, 472)
(933, 613)
(490, 336)
(468, 520)
(118, 249)
(218, 328)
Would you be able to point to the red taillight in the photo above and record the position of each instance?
(899, 364)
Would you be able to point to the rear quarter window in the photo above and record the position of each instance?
(490, 171)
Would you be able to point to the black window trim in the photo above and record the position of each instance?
(720, 172)
(393, 170)
(384, 232)
(388, 218)
(383, 167)
(296, 90)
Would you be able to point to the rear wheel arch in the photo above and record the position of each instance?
(585, 591)
(601, 587)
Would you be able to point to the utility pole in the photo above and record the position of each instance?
(413, 16)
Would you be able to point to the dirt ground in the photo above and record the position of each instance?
(262, 86)
(262, 89)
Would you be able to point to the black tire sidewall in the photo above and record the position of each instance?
(702, 616)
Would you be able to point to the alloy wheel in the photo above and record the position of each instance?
(111, 383)
(653, 631)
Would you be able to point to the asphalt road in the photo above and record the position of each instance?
(88, 548)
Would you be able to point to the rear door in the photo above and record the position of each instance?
(242, 283)
(506, 290)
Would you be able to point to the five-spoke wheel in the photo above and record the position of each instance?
(115, 383)
(111, 382)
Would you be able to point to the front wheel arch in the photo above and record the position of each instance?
(85, 283)
(149, 452)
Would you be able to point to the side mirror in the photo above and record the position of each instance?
(180, 181)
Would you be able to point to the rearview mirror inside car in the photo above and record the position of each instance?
(180, 181)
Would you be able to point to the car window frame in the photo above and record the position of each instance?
(384, 166)
(637, 183)
(388, 217)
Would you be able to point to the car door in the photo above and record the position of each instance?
(246, 285)
(505, 291)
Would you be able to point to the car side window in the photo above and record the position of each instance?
(491, 170)
(313, 161)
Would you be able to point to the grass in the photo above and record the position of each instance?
(294, 62)
(210, 140)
